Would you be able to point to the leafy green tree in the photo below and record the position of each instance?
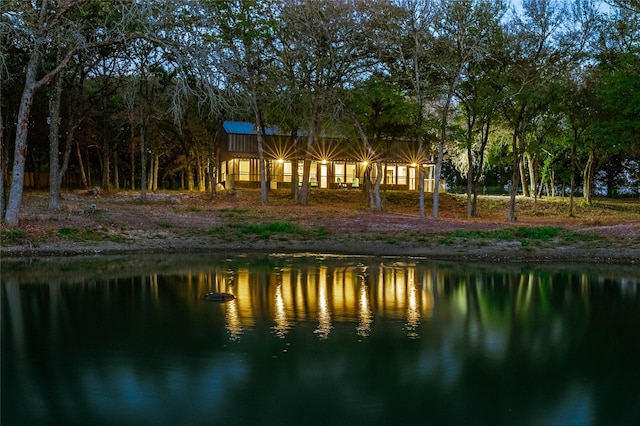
(72, 27)
(325, 45)
(245, 31)
(381, 114)
(464, 32)
(479, 90)
(404, 49)
(534, 59)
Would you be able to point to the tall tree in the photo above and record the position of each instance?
(616, 88)
(533, 59)
(245, 30)
(406, 45)
(43, 23)
(324, 43)
(465, 31)
(479, 95)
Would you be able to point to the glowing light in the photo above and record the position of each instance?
(413, 312)
(365, 163)
(414, 164)
(234, 323)
(282, 324)
(324, 161)
(324, 312)
(366, 316)
(280, 160)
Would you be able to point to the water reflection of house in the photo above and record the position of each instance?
(336, 163)
(327, 295)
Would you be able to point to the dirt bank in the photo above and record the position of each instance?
(333, 222)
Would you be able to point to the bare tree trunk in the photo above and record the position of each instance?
(213, 165)
(106, 163)
(3, 164)
(573, 176)
(515, 181)
(443, 139)
(20, 152)
(293, 140)
(469, 180)
(83, 174)
(255, 104)
(423, 213)
(533, 176)
(106, 146)
(116, 174)
(421, 176)
(376, 202)
(200, 169)
(303, 193)
(68, 145)
(156, 169)
(436, 183)
(478, 173)
(532, 180)
(523, 176)
(303, 198)
(189, 173)
(143, 162)
(295, 179)
(132, 159)
(368, 187)
(264, 195)
(150, 174)
(54, 144)
(587, 184)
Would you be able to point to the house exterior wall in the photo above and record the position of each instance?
(238, 166)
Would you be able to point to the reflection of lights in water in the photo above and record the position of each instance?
(413, 313)
(234, 324)
(282, 324)
(328, 295)
(324, 315)
(366, 318)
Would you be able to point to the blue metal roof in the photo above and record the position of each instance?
(245, 128)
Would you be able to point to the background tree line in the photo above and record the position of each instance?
(540, 97)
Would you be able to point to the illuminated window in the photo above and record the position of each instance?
(402, 175)
(244, 170)
(287, 171)
(391, 179)
(339, 174)
(351, 172)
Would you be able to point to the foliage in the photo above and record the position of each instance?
(151, 81)
(14, 235)
(525, 234)
(268, 229)
(84, 234)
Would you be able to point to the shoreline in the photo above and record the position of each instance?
(336, 223)
(495, 252)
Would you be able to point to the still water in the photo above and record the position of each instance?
(317, 340)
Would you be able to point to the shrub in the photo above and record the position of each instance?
(266, 230)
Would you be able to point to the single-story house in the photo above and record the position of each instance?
(336, 162)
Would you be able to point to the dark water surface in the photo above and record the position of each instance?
(318, 341)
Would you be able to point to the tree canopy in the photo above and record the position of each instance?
(135, 90)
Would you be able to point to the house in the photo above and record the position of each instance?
(336, 162)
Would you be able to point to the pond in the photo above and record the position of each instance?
(314, 339)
